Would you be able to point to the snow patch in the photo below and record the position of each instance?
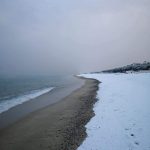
(122, 113)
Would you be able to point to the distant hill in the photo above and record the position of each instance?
(133, 67)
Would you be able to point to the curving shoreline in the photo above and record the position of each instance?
(20, 111)
(58, 126)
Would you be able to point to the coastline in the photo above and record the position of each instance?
(5, 105)
(58, 126)
(55, 95)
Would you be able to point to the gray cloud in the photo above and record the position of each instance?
(72, 36)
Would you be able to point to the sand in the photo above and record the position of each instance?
(54, 96)
(60, 126)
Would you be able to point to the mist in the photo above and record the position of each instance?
(55, 37)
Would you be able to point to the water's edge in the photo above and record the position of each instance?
(7, 104)
(55, 95)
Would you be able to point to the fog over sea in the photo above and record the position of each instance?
(16, 90)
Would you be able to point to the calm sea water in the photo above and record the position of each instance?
(16, 90)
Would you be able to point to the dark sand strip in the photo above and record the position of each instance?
(60, 126)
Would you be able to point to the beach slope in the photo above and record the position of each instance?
(58, 126)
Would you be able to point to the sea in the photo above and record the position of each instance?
(17, 90)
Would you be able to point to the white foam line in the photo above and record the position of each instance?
(7, 104)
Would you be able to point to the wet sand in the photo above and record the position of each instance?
(60, 126)
(57, 94)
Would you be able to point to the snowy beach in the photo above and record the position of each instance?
(60, 125)
(122, 114)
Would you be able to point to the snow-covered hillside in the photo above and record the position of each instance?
(122, 113)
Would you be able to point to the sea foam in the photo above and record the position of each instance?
(7, 104)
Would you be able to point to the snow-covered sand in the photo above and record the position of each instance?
(122, 113)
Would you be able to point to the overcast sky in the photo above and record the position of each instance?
(45, 36)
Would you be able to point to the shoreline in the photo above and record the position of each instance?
(5, 105)
(55, 95)
(58, 126)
